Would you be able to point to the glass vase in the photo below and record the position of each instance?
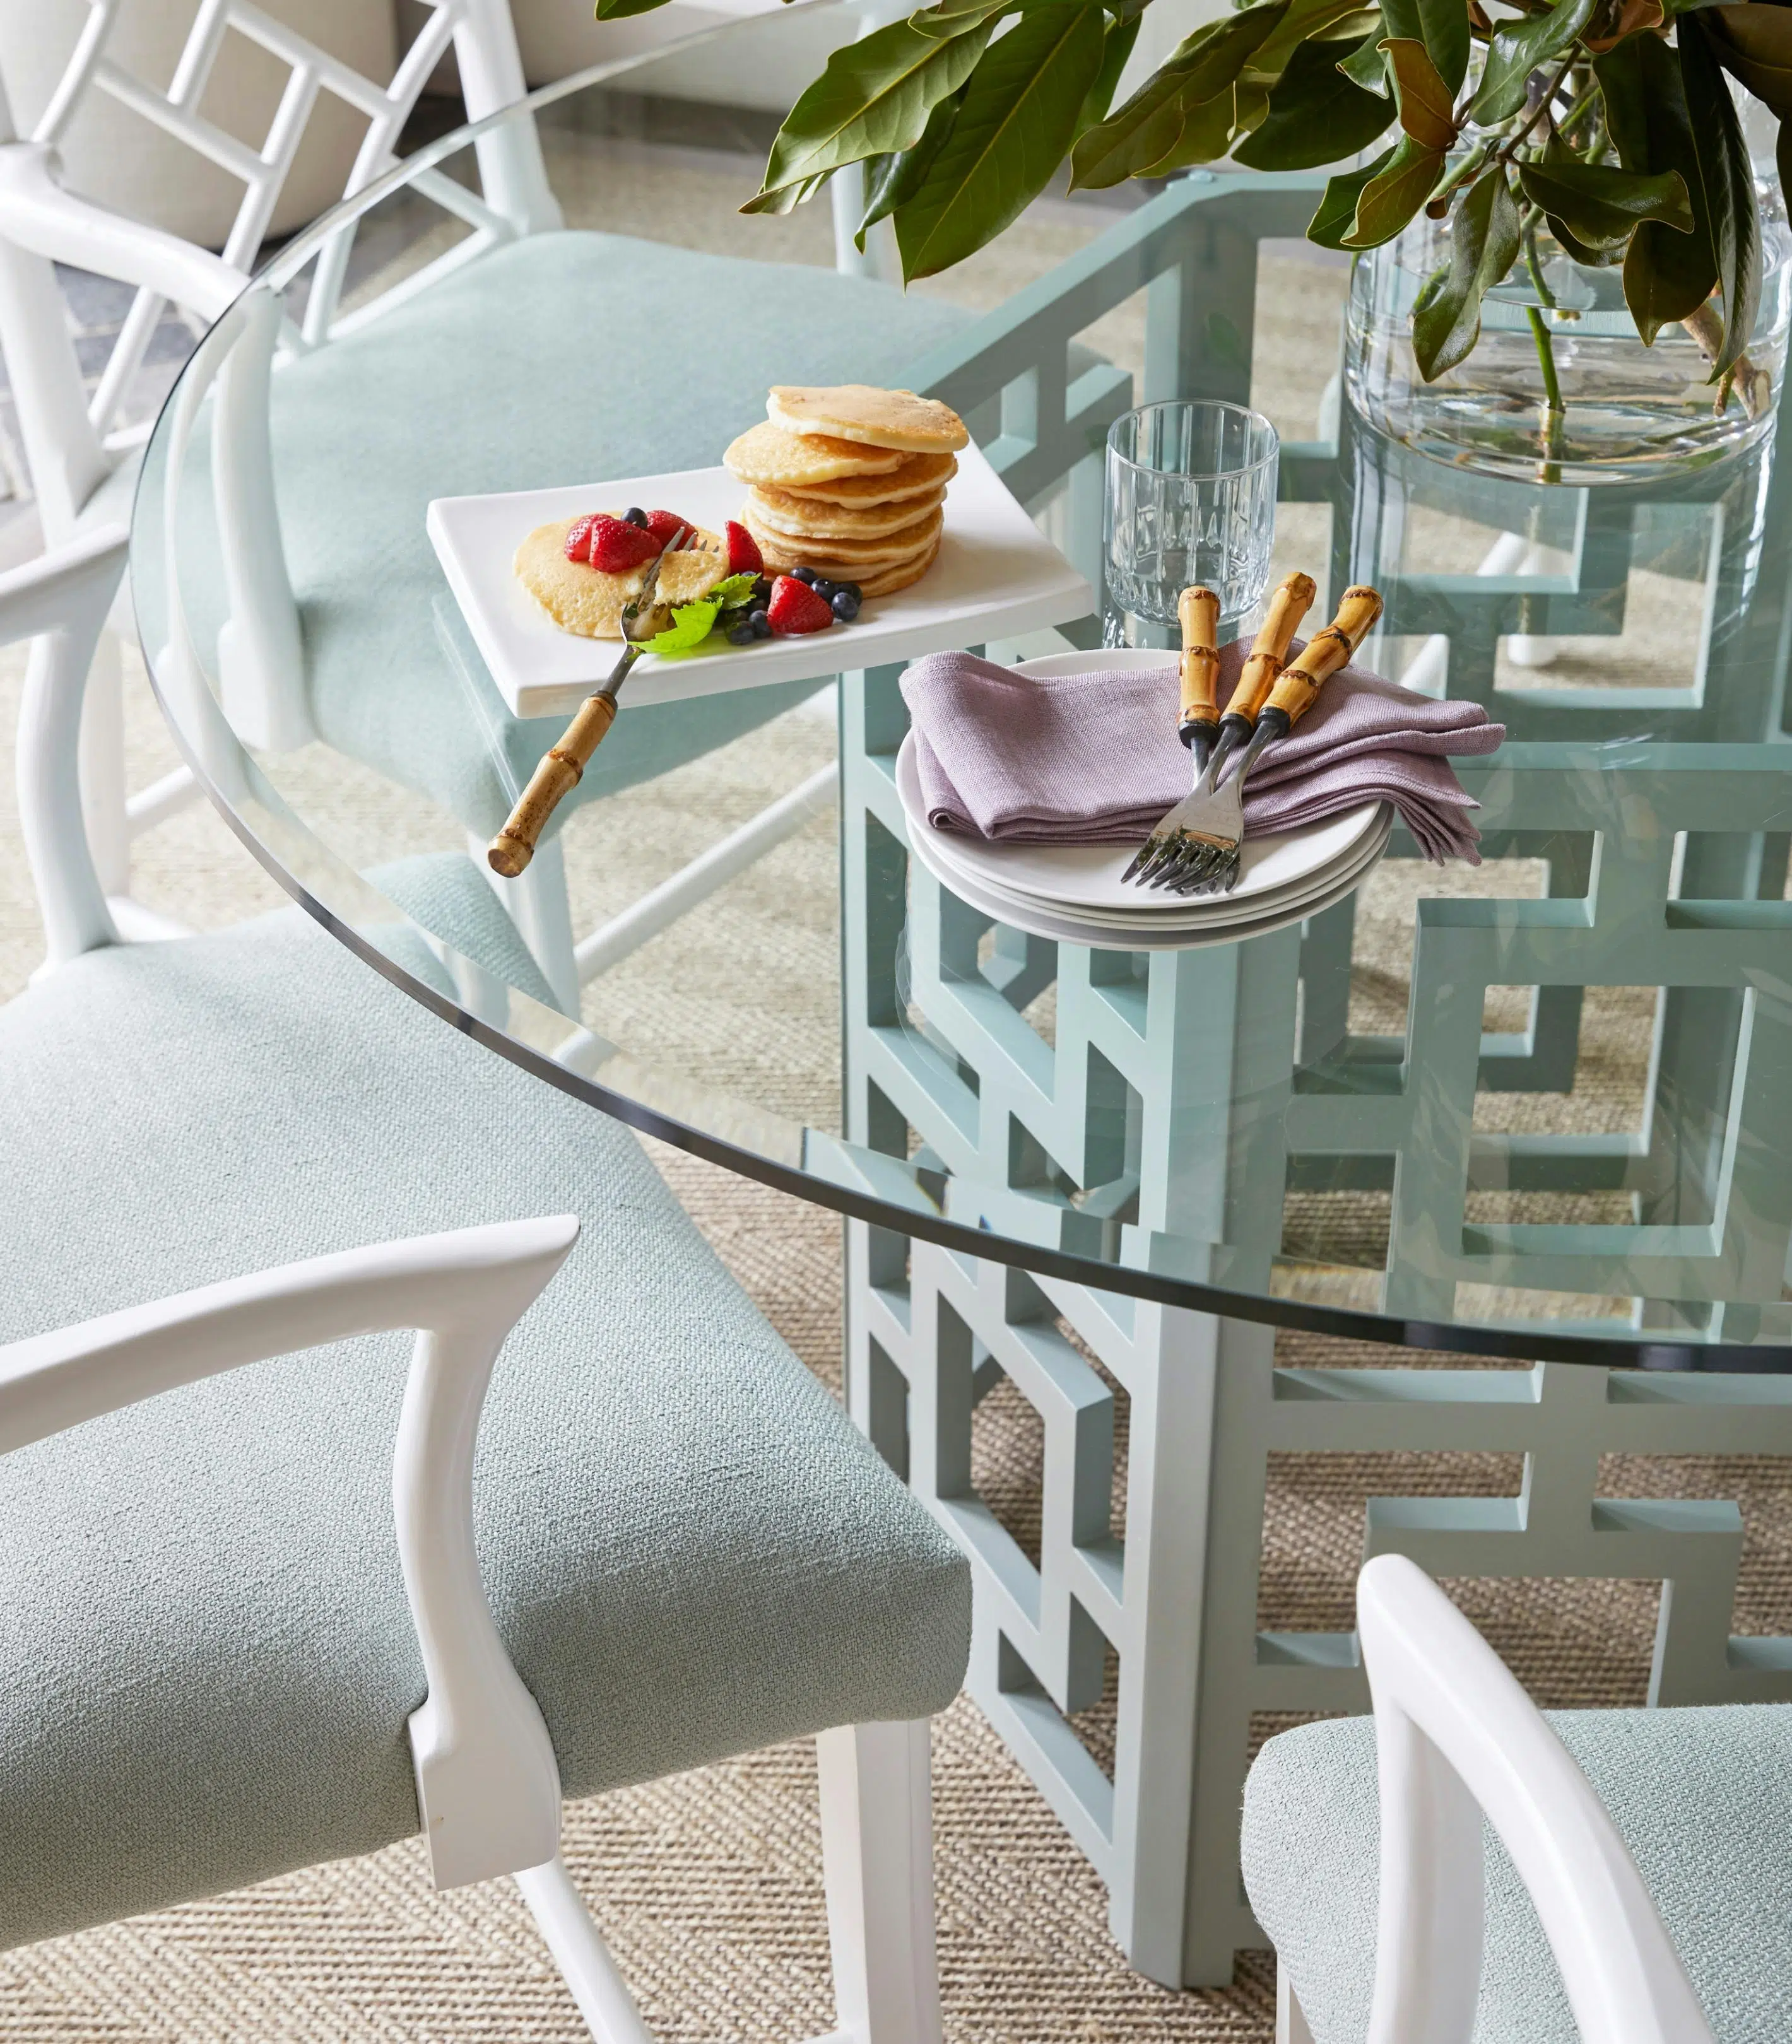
(1628, 413)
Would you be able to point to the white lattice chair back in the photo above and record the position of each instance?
(70, 441)
(68, 458)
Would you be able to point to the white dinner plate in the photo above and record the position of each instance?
(1159, 933)
(997, 576)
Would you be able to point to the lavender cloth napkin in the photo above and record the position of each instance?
(1094, 758)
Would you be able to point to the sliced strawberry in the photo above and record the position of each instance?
(616, 546)
(795, 608)
(579, 539)
(665, 526)
(743, 554)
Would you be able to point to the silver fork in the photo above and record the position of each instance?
(562, 767)
(1217, 871)
(1179, 844)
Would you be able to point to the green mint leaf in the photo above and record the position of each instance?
(689, 629)
(735, 590)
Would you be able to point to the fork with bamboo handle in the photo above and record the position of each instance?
(1197, 612)
(1168, 851)
(1289, 699)
(562, 767)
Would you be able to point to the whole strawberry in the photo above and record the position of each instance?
(616, 546)
(579, 539)
(795, 608)
(665, 526)
(743, 554)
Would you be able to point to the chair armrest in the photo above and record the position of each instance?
(62, 598)
(488, 1786)
(36, 214)
(1456, 1736)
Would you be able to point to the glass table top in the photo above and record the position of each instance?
(1534, 1108)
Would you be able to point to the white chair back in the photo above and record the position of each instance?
(70, 442)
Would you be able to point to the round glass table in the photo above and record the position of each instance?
(1534, 1111)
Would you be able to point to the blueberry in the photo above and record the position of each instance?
(741, 635)
(803, 575)
(845, 605)
(824, 589)
(634, 516)
(759, 624)
(852, 589)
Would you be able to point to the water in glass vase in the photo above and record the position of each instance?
(1627, 413)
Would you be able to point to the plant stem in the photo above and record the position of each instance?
(1531, 261)
(1439, 203)
(1547, 469)
(1511, 143)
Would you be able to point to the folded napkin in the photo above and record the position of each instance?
(1094, 758)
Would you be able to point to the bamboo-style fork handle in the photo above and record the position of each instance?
(1325, 653)
(1269, 649)
(1197, 612)
(560, 772)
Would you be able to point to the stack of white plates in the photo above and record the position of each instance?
(1074, 893)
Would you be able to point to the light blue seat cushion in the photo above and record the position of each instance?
(207, 1661)
(564, 358)
(1701, 1797)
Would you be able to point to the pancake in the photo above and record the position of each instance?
(841, 559)
(919, 475)
(887, 580)
(584, 600)
(804, 519)
(767, 454)
(871, 418)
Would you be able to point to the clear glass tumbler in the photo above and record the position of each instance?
(1190, 498)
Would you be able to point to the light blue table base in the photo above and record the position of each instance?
(1170, 1103)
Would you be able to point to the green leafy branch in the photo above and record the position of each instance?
(1608, 122)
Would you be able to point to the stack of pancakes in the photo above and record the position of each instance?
(850, 482)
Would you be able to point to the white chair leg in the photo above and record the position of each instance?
(877, 1860)
(102, 767)
(1290, 2024)
(580, 1953)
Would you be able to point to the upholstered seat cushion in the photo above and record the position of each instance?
(1702, 1798)
(564, 358)
(207, 1661)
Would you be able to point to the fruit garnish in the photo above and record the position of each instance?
(616, 546)
(579, 539)
(743, 554)
(795, 608)
(665, 526)
(691, 624)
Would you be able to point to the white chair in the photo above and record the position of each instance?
(436, 387)
(223, 1653)
(1636, 1887)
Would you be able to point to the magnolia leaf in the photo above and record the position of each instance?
(1117, 47)
(786, 198)
(1019, 113)
(1306, 21)
(1634, 17)
(1426, 113)
(1520, 48)
(1601, 204)
(1391, 198)
(1337, 208)
(1728, 180)
(1205, 133)
(899, 175)
(1441, 26)
(952, 17)
(1754, 45)
(1149, 126)
(1667, 275)
(873, 99)
(1316, 115)
(1483, 246)
(1365, 65)
(618, 10)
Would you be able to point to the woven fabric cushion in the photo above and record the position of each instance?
(1701, 1797)
(561, 359)
(206, 1659)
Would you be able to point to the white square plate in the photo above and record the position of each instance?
(996, 577)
